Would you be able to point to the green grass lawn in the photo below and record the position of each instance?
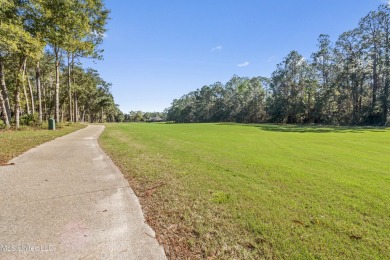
(249, 191)
(15, 142)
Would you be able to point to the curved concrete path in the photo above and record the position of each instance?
(66, 199)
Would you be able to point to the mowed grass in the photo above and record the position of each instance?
(16, 142)
(260, 191)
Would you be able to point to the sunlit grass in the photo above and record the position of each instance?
(249, 191)
(15, 142)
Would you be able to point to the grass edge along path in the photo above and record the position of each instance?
(259, 191)
(15, 142)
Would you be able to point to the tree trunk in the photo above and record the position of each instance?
(75, 108)
(386, 100)
(62, 114)
(31, 95)
(83, 117)
(375, 79)
(5, 115)
(4, 95)
(24, 89)
(70, 90)
(17, 91)
(387, 79)
(76, 114)
(57, 86)
(44, 103)
(38, 83)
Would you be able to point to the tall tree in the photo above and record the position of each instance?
(384, 20)
(4, 97)
(371, 40)
(323, 64)
(16, 39)
(76, 27)
(7, 46)
(291, 85)
(351, 78)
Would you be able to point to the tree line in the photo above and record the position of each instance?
(140, 116)
(41, 46)
(343, 83)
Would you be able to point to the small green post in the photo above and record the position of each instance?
(52, 124)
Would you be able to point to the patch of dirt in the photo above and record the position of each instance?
(6, 164)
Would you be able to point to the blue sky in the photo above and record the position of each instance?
(158, 50)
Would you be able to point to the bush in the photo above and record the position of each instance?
(30, 120)
(2, 124)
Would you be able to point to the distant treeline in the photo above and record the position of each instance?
(41, 46)
(347, 82)
(139, 116)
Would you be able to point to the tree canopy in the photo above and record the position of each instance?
(35, 38)
(346, 82)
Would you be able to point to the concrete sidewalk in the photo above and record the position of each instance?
(67, 200)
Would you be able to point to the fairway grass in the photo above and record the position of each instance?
(16, 142)
(268, 191)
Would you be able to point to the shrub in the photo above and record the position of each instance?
(30, 120)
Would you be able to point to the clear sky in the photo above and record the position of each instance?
(158, 50)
